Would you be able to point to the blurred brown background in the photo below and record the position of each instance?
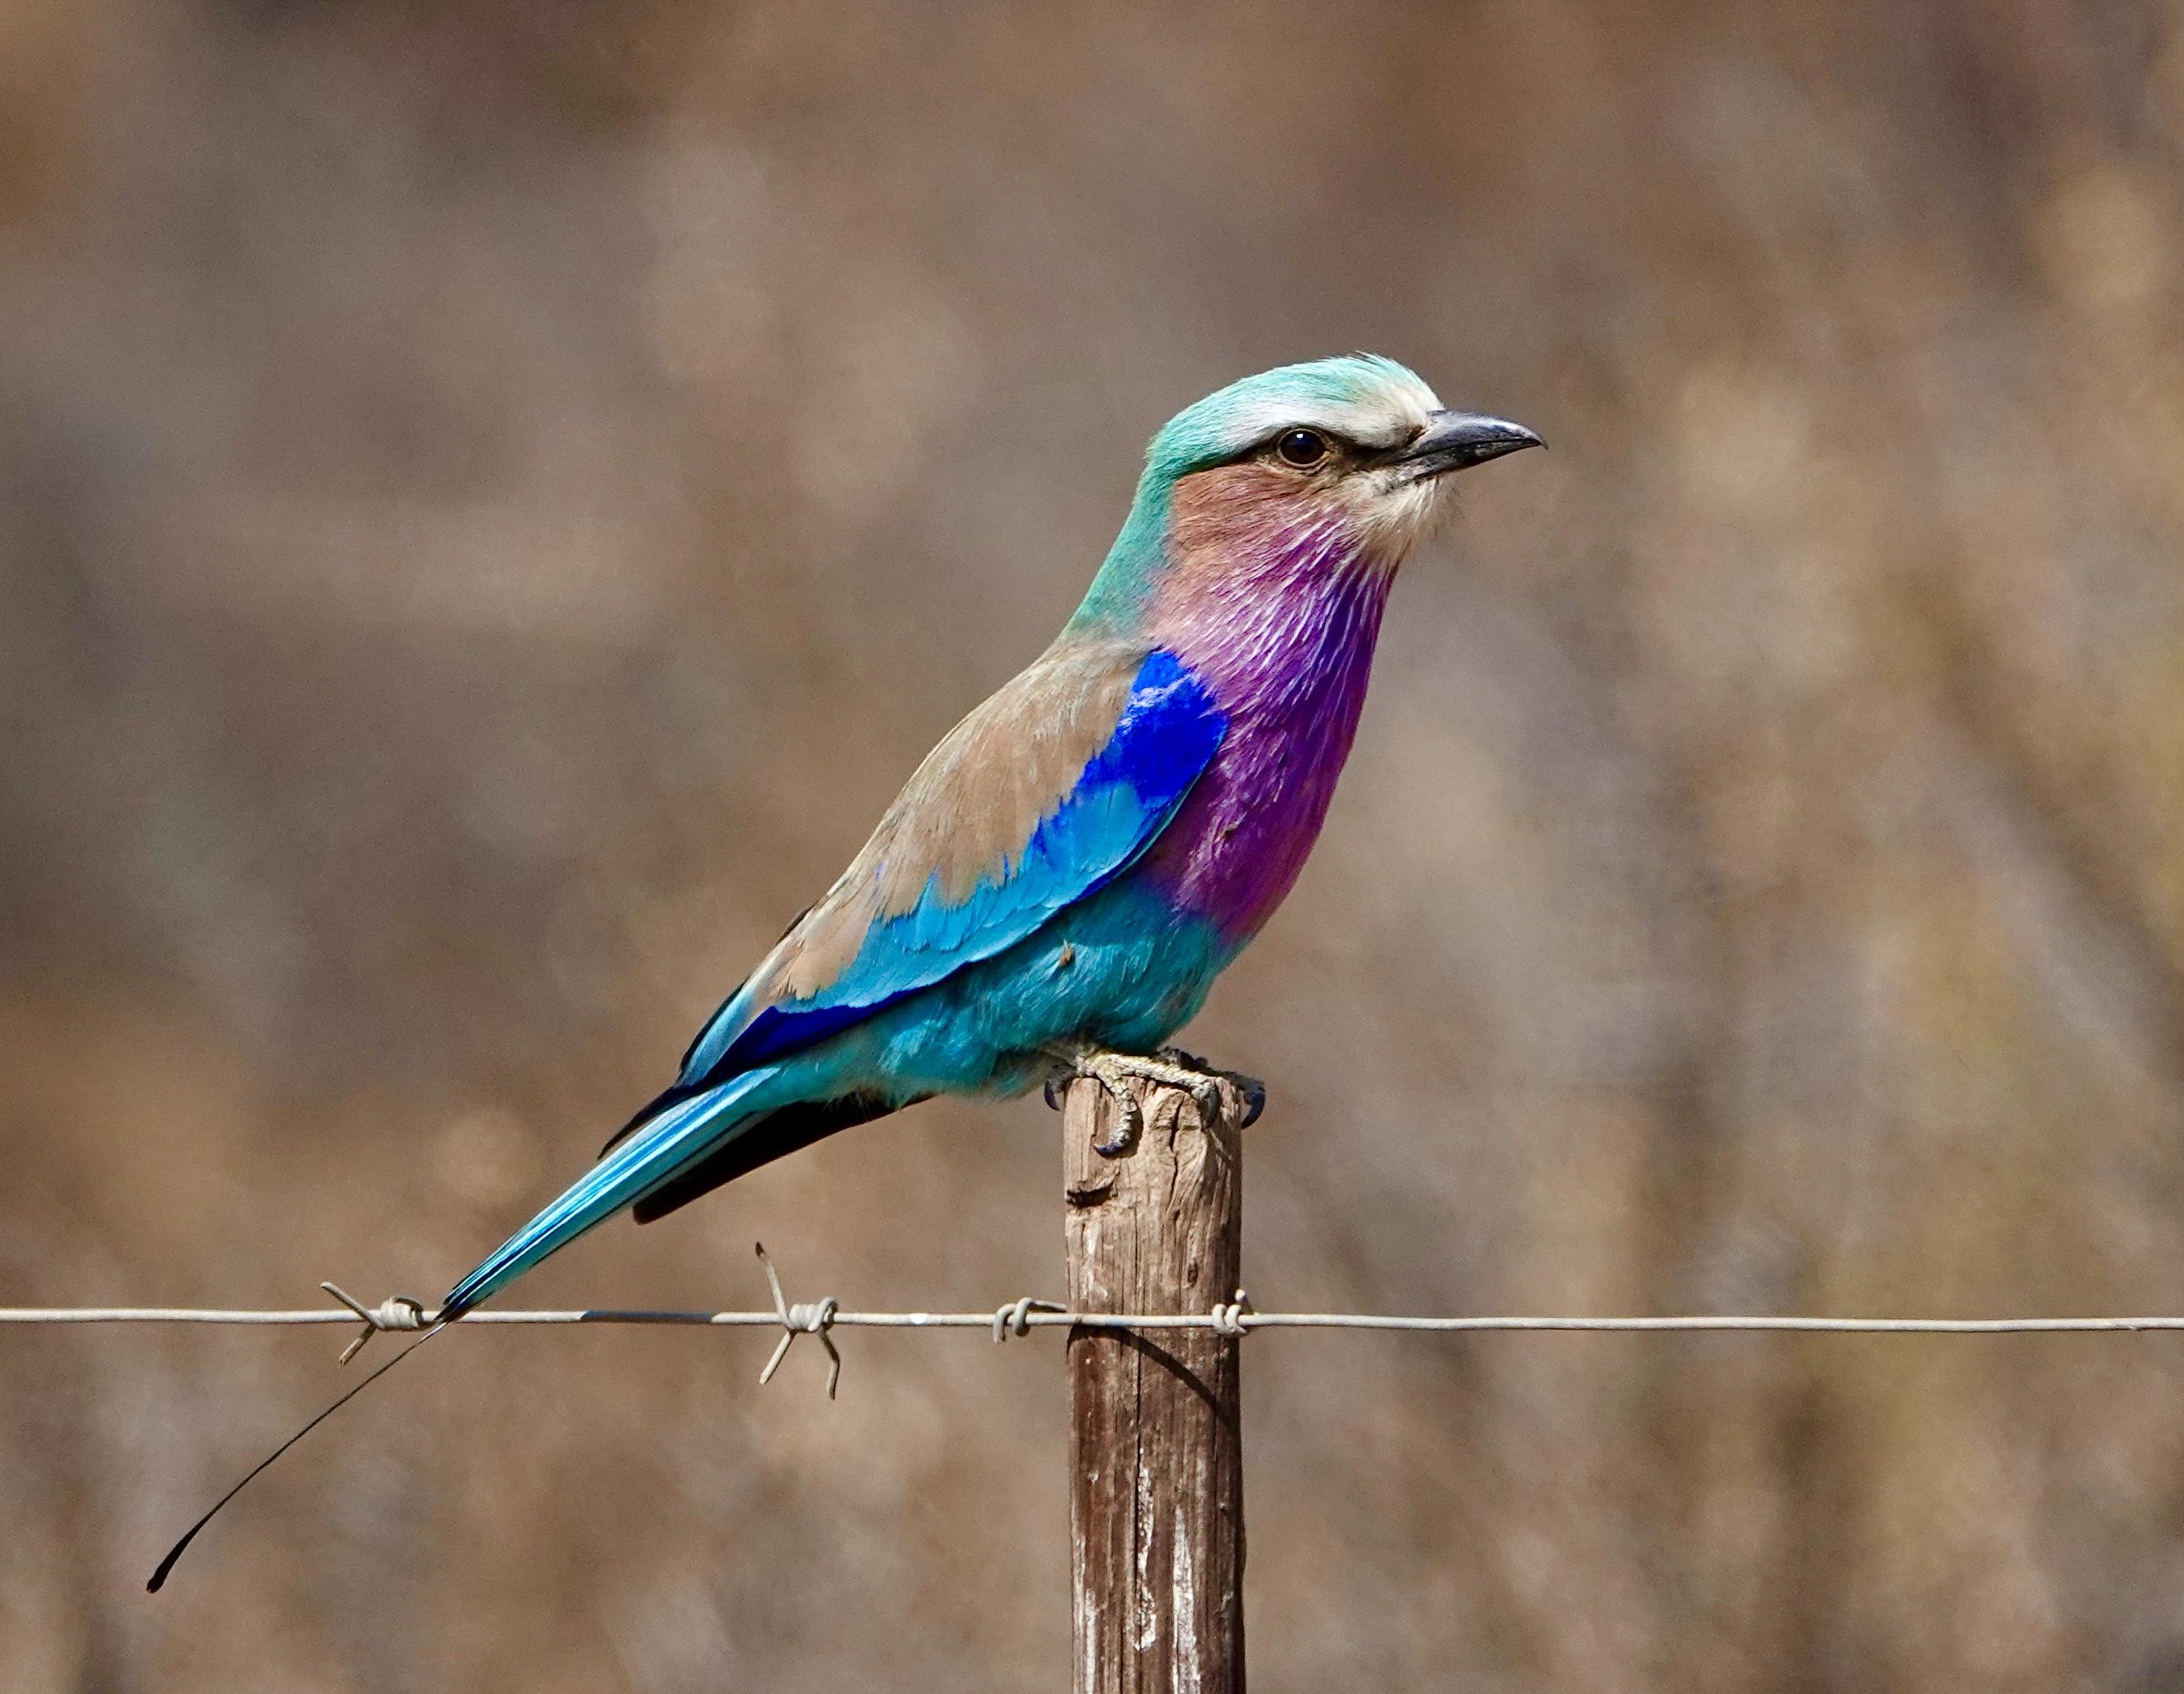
(494, 497)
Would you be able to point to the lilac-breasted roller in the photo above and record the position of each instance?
(1056, 888)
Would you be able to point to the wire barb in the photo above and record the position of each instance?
(396, 1312)
(1015, 1318)
(1229, 1319)
(814, 1319)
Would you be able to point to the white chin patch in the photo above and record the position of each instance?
(1395, 514)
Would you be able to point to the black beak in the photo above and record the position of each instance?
(1457, 441)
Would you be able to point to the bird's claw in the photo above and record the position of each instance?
(1253, 1090)
(1255, 1098)
(1170, 1066)
(1129, 1124)
(1129, 1115)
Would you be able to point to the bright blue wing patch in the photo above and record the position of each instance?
(1166, 734)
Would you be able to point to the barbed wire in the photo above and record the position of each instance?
(1050, 1316)
(1234, 1318)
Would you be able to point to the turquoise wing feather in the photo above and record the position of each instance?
(1043, 795)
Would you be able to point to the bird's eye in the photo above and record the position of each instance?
(1301, 448)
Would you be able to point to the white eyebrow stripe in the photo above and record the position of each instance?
(1377, 423)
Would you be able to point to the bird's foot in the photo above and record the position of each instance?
(1171, 1066)
(1253, 1090)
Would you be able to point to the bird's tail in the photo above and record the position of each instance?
(657, 1151)
(656, 1154)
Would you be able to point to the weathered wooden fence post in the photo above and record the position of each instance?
(1157, 1469)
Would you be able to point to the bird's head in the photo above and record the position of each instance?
(1359, 438)
(1348, 457)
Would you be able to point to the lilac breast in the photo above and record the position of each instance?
(1286, 649)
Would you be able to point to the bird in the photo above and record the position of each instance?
(1058, 886)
